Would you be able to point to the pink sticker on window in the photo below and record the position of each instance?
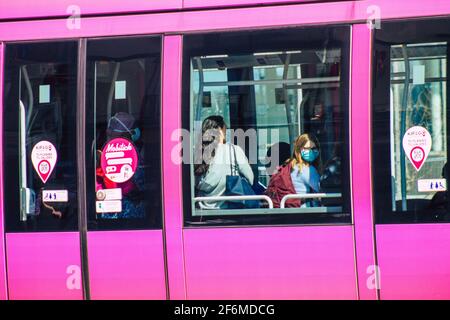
(417, 145)
(43, 157)
(119, 160)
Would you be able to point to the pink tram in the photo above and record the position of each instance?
(367, 78)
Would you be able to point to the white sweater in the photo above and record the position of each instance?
(213, 183)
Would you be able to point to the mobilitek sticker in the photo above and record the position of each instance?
(119, 160)
(417, 145)
(43, 157)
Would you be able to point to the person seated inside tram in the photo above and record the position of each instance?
(299, 175)
(123, 125)
(214, 160)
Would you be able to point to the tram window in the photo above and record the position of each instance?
(123, 121)
(411, 118)
(40, 168)
(249, 99)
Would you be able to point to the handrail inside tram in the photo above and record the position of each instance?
(229, 198)
(308, 196)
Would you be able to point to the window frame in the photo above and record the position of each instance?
(13, 226)
(190, 50)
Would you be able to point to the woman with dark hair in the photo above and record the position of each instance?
(214, 161)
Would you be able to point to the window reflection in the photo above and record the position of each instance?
(123, 91)
(410, 128)
(40, 121)
(418, 98)
(266, 99)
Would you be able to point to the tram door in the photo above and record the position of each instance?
(125, 241)
(411, 175)
(81, 167)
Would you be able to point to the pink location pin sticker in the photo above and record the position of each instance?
(44, 169)
(417, 145)
(417, 157)
(43, 157)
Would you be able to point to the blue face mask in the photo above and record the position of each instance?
(310, 155)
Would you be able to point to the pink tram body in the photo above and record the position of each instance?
(359, 257)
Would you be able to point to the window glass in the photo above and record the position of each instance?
(257, 101)
(123, 111)
(40, 137)
(410, 128)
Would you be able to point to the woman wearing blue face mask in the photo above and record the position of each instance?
(305, 167)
